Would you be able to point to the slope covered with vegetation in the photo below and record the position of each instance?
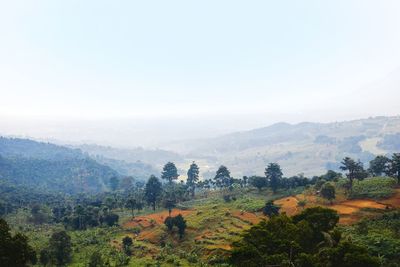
(327, 220)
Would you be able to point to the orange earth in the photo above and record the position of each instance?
(348, 209)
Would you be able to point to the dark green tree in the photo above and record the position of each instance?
(192, 177)
(110, 219)
(14, 250)
(332, 176)
(270, 209)
(258, 182)
(274, 174)
(223, 177)
(284, 241)
(44, 257)
(170, 172)
(114, 182)
(347, 254)
(180, 222)
(379, 165)
(153, 191)
(320, 220)
(276, 242)
(354, 168)
(126, 245)
(37, 215)
(96, 260)
(395, 166)
(60, 247)
(169, 222)
(328, 192)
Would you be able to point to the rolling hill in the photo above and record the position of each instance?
(55, 168)
(308, 148)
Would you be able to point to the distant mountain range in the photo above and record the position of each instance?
(57, 168)
(309, 148)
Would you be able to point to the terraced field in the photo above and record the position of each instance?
(212, 224)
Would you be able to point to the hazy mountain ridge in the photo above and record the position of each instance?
(53, 167)
(155, 157)
(306, 147)
(26, 148)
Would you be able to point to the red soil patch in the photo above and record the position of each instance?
(145, 221)
(344, 209)
(394, 201)
(150, 235)
(288, 205)
(346, 220)
(348, 209)
(148, 224)
(246, 216)
(219, 246)
(363, 203)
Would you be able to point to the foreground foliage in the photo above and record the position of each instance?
(308, 239)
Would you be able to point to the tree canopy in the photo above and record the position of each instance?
(169, 172)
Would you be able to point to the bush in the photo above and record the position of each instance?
(376, 188)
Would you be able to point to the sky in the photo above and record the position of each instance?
(236, 64)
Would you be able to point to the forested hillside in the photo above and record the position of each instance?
(57, 168)
(50, 167)
(66, 175)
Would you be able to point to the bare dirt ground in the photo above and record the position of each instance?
(349, 210)
(149, 224)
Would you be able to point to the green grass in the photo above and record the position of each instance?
(375, 188)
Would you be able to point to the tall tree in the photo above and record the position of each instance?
(395, 166)
(379, 165)
(170, 172)
(172, 193)
(131, 204)
(181, 224)
(60, 248)
(44, 257)
(328, 192)
(126, 245)
(153, 191)
(270, 209)
(192, 177)
(354, 168)
(223, 177)
(14, 250)
(258, 182)
(274, 174)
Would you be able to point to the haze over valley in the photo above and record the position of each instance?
(200, 133)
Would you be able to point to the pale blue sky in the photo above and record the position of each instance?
(307, 60)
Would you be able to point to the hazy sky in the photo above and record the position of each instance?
(290, 60)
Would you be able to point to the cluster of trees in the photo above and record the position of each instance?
(379, 166)
(14, 250)
(307, 239)
(59, 251)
